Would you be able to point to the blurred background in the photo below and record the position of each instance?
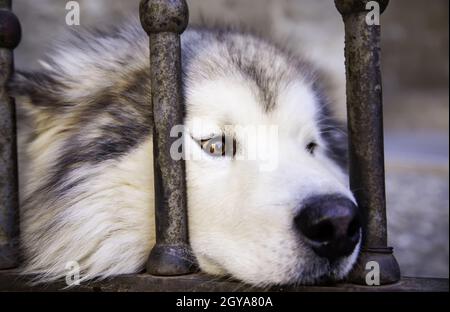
(415, 68)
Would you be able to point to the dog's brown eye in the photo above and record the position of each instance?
(214, 147)
(217, 146)
(311, 147)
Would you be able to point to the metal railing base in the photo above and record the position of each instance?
(385, 264)
(168, 260)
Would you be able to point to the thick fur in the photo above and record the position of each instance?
(88, 177)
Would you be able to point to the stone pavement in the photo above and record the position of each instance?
(417, 187)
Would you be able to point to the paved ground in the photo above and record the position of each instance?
(417, 183)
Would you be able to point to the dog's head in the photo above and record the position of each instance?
(267, 195)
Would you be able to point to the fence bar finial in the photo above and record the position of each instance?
(9, 228)
(164, 21)
(365, 125)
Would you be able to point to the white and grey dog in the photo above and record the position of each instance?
(87, 185)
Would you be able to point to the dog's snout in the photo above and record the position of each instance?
(331, 225)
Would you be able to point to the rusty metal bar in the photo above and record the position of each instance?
(365, 127)
(164, 21)
(9, 229)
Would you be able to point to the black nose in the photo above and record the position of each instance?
(331, 225)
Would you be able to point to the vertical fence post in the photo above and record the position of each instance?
(164, 21)
(9, 38)
(365, 127)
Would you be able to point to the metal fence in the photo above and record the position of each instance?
(164, 21)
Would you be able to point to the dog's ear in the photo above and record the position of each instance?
(36, 89)
(37, 95)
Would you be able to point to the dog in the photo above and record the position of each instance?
(87, 182)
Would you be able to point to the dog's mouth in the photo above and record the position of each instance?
(329, 273)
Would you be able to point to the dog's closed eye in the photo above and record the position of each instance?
(219, 146)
